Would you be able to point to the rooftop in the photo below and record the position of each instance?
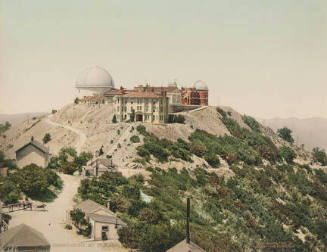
(23, 236)
(36, 144)
(183, 246)
(89, 207)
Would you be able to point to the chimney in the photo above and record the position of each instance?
(188, 222)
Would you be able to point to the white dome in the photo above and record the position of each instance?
(95, 79)
(200, 85)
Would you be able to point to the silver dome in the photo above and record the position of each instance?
(200, 85)
(95, 79)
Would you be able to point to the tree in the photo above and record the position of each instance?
(82, 159)
(135, 139)
(32, 179)
(287, 153)
(46, 138)
(319, 155)
(132, 116)
(77, 100)
(114, 119)
(286, 134)
(9, 192)
(68, 168)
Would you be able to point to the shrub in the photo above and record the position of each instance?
(141, 129)
(212, 159)
(118, 132)
(69, 227)
(221, 112)
(135, 139)
(77, 100)
(198, 149)
(319, 155)
(287, 153)
(251, 122)
(286, 134)
(46, 138)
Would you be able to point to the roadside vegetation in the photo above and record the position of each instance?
(31, 181)
(68, 161)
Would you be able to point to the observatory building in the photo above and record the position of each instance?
(96, 80)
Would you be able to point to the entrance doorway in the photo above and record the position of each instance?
(139, 118)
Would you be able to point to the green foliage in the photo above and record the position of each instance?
(77, 100)
(319, 155)
(80, 222)
(114, 119)
(31, 179)
(212, 159)
(286, 134)
(141, 129)
(172, 118)
(82, 159)
(287, 153)
(221, 112)
(46, 138)
(135, 139)
(251, 122)
(9, 192)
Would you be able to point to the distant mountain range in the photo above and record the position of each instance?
(18, 118)
(311, 132)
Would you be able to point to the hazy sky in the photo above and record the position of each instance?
(266, 58)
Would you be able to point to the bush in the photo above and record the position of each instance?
(46, 138)
(221, 112)
(287, 153)
(135, 139)
(198, 149)
(319, 156)
(68, 227)
(77, 100)
(251, 122)
(212, 159)
(285, 134)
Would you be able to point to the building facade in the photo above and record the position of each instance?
(142, 106)
(105, 223)
(32, 152)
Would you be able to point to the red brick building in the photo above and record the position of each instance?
(196, 95)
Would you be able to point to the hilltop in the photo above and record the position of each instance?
(88, 127)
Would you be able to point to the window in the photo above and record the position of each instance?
(153, 117)
(146, 109)
(161, 109)
(161, 118)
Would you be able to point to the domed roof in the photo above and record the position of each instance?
(94, 77)
(201, 85)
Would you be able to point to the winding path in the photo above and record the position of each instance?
(81, 135)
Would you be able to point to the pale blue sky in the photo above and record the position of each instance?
(266, 58)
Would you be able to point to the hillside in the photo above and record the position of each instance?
(93, 125)
(312, 132)
(18, 118)
(250, 189)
